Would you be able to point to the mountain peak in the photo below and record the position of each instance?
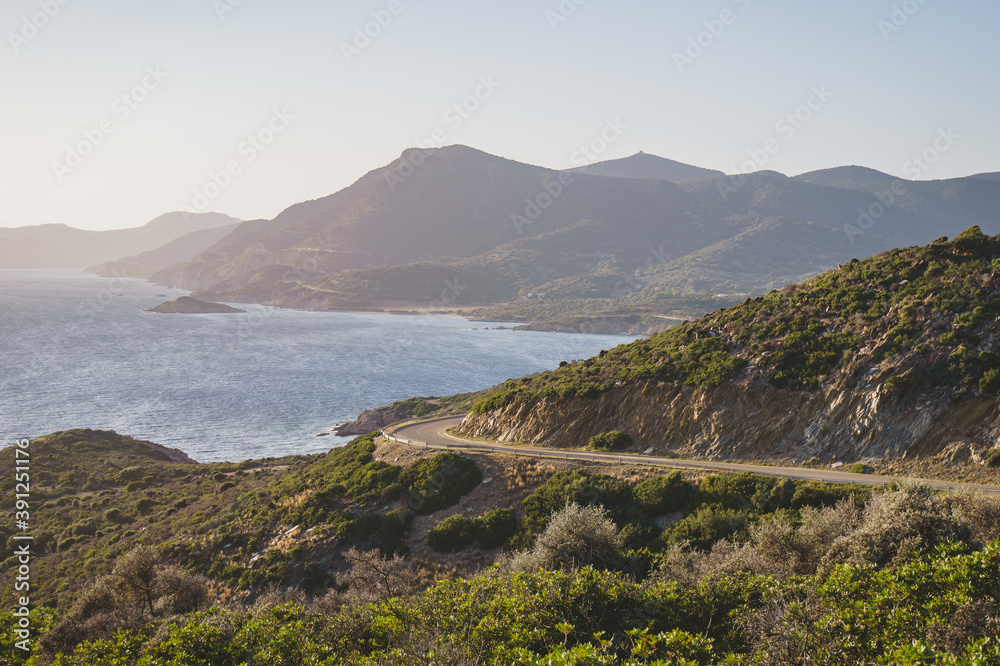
(643, 165)
(845, 176)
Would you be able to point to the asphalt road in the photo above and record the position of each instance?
(433, 434)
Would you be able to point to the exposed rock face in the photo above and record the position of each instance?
(735, 421)
(370, 420)
(188, 305)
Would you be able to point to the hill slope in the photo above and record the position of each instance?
(61, 246)
(887, 358)
(178, 251)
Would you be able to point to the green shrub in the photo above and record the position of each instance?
(144, 505)
(495, 401)
(664, 494)
(116, 516)
(133, 473)
(494, 528)
(580, 487)
(707, 525)
(992, 458)
(439, 482)
(990, 382)
(859, 468)
(452, 534)
(897, 384)
(86, 527)
(613, 440)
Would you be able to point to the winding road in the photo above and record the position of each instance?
(434, 434)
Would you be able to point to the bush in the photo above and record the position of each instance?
(116, 516)
(144, 505)
(439, 482)
(84, 528)
(707, 525)
(614, 440)
(495, 401)
(577, 536)
(990, 382)
(494, 528)
(897, 384)
(664, 494)
(580, 487)
(452, 534)
(992, 458)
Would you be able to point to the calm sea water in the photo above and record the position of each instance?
(76, 351)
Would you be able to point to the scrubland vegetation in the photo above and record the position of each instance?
(925, 309)
(304, 561)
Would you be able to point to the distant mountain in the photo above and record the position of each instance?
(849, 177)
(61, 246)
(178, 251)
(458, 227)
(643, 165)
(989, 176)
(461, 214)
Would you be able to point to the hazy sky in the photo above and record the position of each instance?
(182, 85)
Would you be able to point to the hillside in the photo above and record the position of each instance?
(61, 246)
(381, 553)
(887, 359)
(177, 251)
(464, 230)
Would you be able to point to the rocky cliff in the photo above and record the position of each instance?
(844, 423)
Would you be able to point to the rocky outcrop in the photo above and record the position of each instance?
(371, 420)
(734, 421)
(188, 305)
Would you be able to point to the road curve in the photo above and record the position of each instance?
(434, 434)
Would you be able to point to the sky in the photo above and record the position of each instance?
(116, 111)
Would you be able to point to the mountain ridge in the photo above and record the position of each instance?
(597, 245)
(60, 246)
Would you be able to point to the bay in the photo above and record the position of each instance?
(77, 351)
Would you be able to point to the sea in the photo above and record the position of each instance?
(78, 351)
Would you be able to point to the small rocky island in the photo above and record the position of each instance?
(188, 305)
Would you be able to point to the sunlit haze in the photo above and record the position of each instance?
(161, 95)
